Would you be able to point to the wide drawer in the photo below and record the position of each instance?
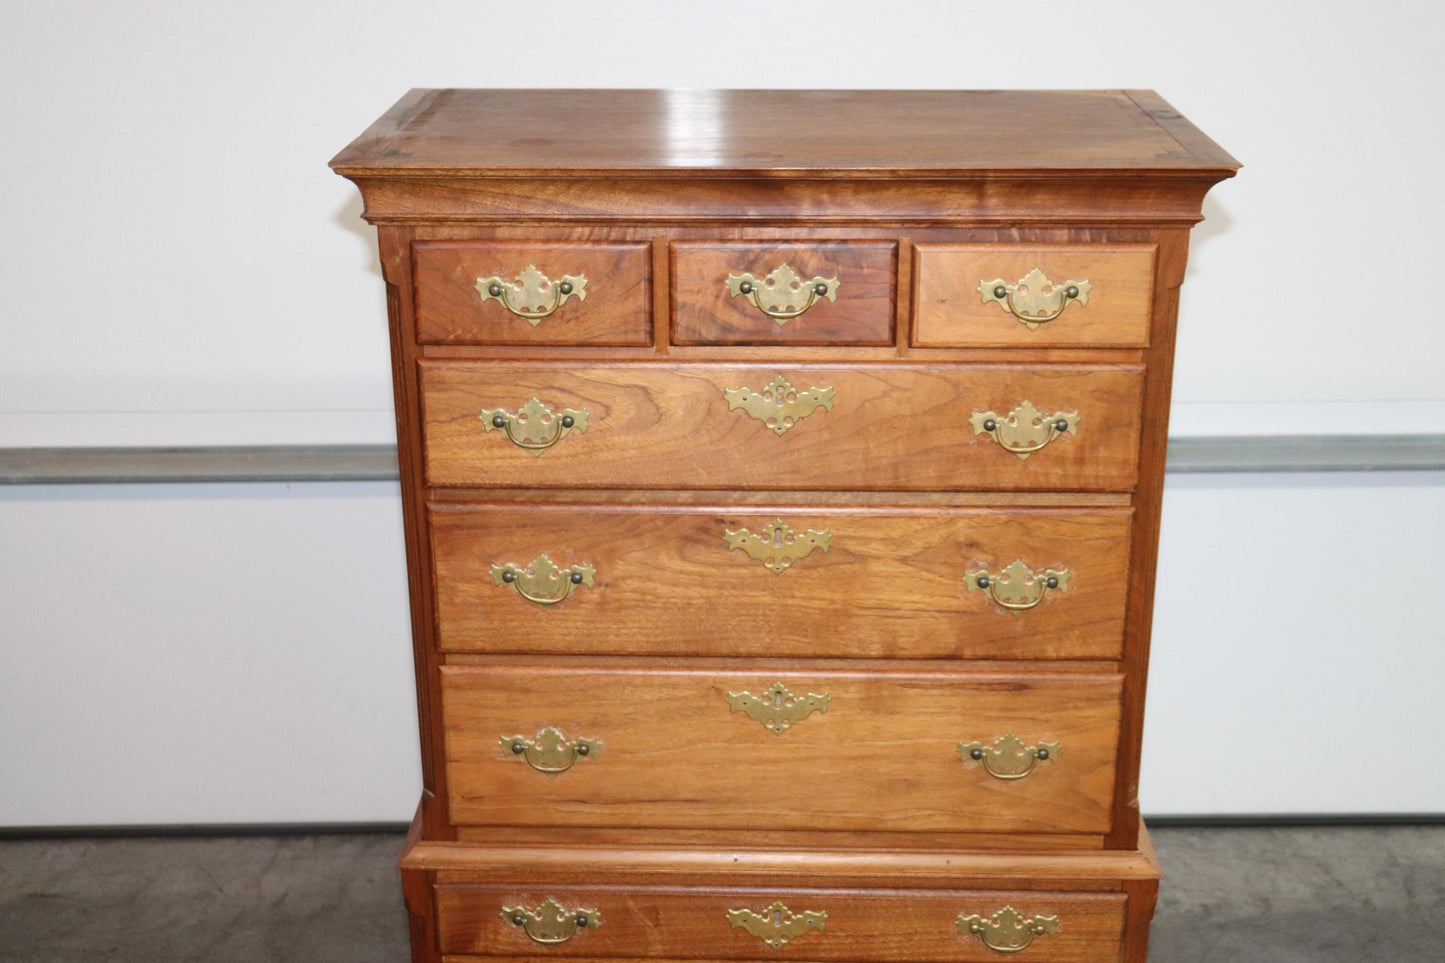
(549, 745)
(782, 427)
(546, 292)
(991, 295)
(724, 923)
(848, 583)
(804, 292)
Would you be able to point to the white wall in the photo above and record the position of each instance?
(178, 266)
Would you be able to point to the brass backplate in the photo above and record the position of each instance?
(777, 708)
(1008, 930)
(534, 426)
(542, 580)
(1024, 430)
(1017, 587)
(533, 296)
(1009, 758)
(552, 923)
(782, 294)
(551, 752)
(1033, 298)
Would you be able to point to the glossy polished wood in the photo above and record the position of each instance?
(890, 427)
(890, 584)
(876, 133)
(952, 313)
(882, 757)
(860, 925)
(944, 183)
(616, 310)
(704, 312)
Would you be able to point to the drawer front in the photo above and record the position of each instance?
(842, 428)
(607, 300)
(784, 293)
(707, 749)
(958, 305)
(867, 583)
(724, 923)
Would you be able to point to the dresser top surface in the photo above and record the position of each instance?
(825, 133)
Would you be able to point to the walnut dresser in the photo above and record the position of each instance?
(781, 475)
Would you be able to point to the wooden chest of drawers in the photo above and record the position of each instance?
(781, 475)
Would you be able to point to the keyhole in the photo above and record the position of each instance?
(777, 698)
(777, 536)
(777, 917)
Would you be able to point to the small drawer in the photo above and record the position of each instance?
(588, 746)
(881, 427)
(547, 292)
(838, 583)
(799, 293)
(635, 922)
(1004, 295)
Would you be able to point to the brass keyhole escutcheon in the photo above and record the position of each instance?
(777, 925)
(777, 708)
(777, 545)
(779, 406)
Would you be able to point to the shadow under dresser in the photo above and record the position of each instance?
(781, 474)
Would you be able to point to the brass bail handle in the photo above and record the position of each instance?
(552, 923)
(1009, 758)
(1008, 930)
(782, 294)
(1025, 430)
(1033, 298)
(533, 296)
(1017, 588)
(534, 426)
(551, 752)
(543, 581)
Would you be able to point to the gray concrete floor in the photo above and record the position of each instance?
(1276, 895)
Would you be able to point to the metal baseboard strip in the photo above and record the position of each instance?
(353, 463)
(206, 830)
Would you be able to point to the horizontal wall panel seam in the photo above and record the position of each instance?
(346, 463)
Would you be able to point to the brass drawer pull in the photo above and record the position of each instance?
(782, 295)
(551, 752)
(1017, 587)
(777, 708)
(533, 296)
(1008, 930)
(1024, 430)
(542, 580)
(1009, 758)
(776, 925)
(534, 426)
(550, 923)
(780, 406)
(777, 546)
(1033, 298)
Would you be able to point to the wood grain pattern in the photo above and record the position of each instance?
(878, 133)
(891, 427)
(883, 757)
(704, 312)
(449, 310)
(890, 585)
(951, 313)
(646, 921)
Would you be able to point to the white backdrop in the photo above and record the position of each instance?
(180, 267)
